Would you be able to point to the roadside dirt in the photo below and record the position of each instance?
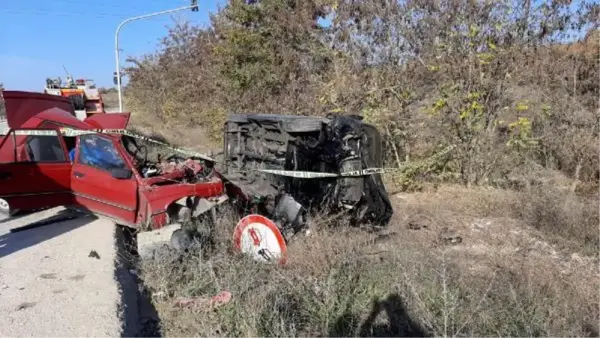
(189, 137)
(481, 245)
(50, 282)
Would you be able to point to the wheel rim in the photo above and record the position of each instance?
(4, 205)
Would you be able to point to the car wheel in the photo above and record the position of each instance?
(5, 208)
(180, 240)
(78, 102)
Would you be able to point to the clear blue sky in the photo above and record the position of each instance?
(38, 37)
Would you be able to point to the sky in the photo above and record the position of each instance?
(39, 37)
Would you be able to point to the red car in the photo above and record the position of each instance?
(36, 170)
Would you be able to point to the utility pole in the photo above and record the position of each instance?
(193, 7)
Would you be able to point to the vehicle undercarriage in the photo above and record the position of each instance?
(334, 144)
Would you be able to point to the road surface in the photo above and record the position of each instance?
(52, 283)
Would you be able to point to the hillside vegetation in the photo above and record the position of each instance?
(496, 79)
(512, 85)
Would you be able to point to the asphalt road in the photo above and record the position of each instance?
(52, 284)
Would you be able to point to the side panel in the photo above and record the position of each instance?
(160, 197)
(28, 186)
(39, 175)
(94, 186)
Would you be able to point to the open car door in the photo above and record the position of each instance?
(34, 170)
(103, 181)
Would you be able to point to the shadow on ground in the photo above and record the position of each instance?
(22, 236)
(397, 324)
(138, 314)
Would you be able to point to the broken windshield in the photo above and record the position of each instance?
(99, 152)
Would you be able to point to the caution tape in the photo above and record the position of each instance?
(314, 174)
(355, 173)
(70, 132)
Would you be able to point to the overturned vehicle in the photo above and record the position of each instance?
(276, 172)
(295, 166)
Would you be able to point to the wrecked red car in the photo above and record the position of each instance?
(106, 174)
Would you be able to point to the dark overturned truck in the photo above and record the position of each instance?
(293, 167)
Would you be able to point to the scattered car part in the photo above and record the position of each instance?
(66, 215)
(152, 242)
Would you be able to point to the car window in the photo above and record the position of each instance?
(99, 152)
(45, 149)
(39, 146)
(69, 141)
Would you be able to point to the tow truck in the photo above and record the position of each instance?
(83, 93)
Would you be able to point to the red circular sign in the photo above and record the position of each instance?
(259, 237)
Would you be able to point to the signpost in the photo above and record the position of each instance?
(117, 74)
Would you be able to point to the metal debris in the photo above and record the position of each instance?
(94, 254)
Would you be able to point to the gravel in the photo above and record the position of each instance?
(50, 285)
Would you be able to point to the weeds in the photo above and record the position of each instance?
(347, 282)
(501, 81)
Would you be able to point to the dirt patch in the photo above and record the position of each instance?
(78, 277)
(26, 305)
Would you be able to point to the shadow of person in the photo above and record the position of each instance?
(399, 322)
(344, 326)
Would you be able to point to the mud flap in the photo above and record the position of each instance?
(259, 238)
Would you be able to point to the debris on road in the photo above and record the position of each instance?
(94, 254)
(61, 217)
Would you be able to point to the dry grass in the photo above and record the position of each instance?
(503, 279)
(511, 103)
(177, 134)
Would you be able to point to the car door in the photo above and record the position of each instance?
(101, 179)
(34, 170)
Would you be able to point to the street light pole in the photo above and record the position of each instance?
(193, 7)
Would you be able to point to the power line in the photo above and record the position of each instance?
(78, 5)
(113, 11)
(65, 14)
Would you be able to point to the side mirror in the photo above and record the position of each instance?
(121, 174)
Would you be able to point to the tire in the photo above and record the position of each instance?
(180, 240)
(78, 102)
(5, 209)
